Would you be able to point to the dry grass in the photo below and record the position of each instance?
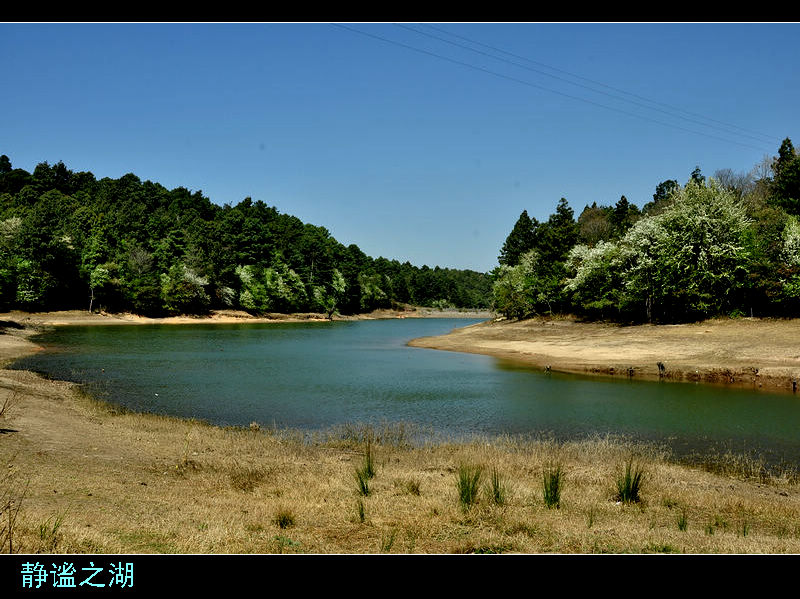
(102, 481)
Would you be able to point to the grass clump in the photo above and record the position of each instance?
(283, 543)
(49, 532)
(284, 518)
(362, 482)
(468, 484)
(683, 521)
(629, 483)
(590, 517)
(661, 548)
(553, 484)
(387, 540)
(369, 461)
(496, 488)
(745, 528)
(367, 470)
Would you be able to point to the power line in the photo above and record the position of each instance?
(769, 137)
(534, 85)
(667, 112)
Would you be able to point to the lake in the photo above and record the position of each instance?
(313, 376)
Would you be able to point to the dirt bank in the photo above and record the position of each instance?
(749, 352)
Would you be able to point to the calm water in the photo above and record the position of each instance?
(315, 375)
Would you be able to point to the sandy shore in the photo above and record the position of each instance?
(83, 318)
(745, 352)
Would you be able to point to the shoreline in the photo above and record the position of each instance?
(760, 354)
(83, 318)
(132, 483)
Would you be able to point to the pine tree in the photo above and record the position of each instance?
(521, 239)
(560, 233)
(785, 189)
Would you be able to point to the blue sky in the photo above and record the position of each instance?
(409, 146)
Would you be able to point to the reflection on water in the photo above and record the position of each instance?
(316, 375)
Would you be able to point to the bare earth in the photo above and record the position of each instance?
(751, 352)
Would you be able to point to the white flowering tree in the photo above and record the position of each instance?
(690, 260)
(791, 241)
(328, 299)
(525, 289)
(183, 291)
(274, 289)
(790, 254)
(595, 285)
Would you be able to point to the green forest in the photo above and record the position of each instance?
(724, 245)
(71, 241)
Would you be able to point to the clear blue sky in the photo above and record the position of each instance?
(416, 150)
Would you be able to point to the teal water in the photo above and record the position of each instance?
(316, 375)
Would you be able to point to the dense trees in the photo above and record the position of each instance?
(689, 260)
(69, 240)
(725, 245)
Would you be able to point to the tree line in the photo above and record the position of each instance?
(726, 245)
(69, 240)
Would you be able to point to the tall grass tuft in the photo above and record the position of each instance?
(468, 483)
(683, 521)
(362, 481)
(590, 518)
(629, 483)
(553, 484)
(496, 488)
(49, 532)
(387, 540)
(369, 460)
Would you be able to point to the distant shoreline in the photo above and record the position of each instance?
(748, 352)
(83, 318)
